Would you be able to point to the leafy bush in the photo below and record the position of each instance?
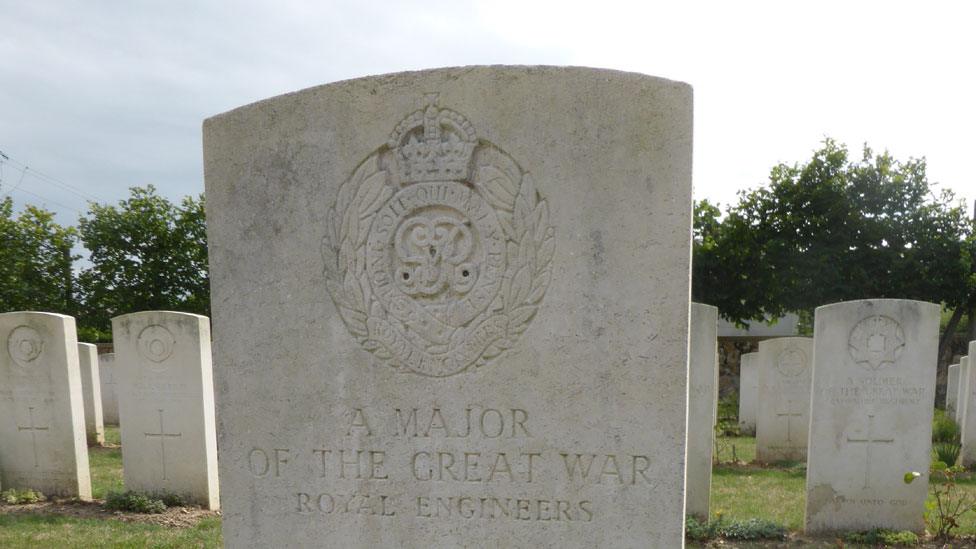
(751, 529)
(700, 531)
(946, 452)
(21, 497)
(134, 502)
(881, 537)
(944, 428)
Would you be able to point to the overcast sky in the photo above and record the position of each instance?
(101, 96)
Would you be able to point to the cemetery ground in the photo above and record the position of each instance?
(741, 490)
(71, 524)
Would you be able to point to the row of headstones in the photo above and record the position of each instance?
(50, 404)
(855, 402)
(960, 386)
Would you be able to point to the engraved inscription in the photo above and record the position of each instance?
(438, 249)
(156, 343)
(24, 345)
(876, 341)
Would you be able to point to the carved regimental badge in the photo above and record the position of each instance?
(24, 344)
(791, 362)
(876, 341)
(439, 248)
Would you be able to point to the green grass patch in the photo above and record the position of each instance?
(30, 531)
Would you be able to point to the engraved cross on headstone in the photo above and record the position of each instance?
(33, 429)
(867, 454)
(162, 434)
(789, 414)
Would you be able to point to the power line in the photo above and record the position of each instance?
(48, 178)
(45, 199)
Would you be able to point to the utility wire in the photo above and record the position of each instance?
(45, 199)
(50, 179)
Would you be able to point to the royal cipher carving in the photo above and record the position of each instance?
(438, 249)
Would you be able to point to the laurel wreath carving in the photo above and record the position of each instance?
(523, 216)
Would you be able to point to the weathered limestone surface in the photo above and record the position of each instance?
(968, 424)
(873, 395)
(962, 395)
(702, 386)
(166, 404)
(748, 392)
(91, 392)
(952, 389)
(42, 416)
(783, 409)
(451, 309)
(110, 399)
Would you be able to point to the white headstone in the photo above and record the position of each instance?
(42, 417)
(91, 392)
(783, 407)
(110, 399)
(166, 404)
(451, 309)
(748, 392)
(702, 385)
(968, 424)
(874, 392)
(952, 390)
(962, 396)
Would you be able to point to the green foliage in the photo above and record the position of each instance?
(948, 503)
(35, 261)
(946, 452)
(833, 229)
(944, 428)
(883, 538)
(21, 497)
(146, 254)
(749, 529)
(134, 502)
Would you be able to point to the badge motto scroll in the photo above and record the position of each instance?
(438, 249)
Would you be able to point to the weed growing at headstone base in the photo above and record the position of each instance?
(883, 538)
(948, 504)
(21, 497)
(141, 502)
(749, 529)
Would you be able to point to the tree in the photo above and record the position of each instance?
(833, 230)
(35, 261)
(146, 254)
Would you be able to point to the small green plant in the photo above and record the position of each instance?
(751, 529)
(882, 537)
(134, 502)
(944, 429)
(946, 452)
(700, 531)
(21, 497)
(948, 504)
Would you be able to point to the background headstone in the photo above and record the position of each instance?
(748, 392)
(952, 390)
(962, 395)
(968, 424)
(166, 404)
(394, 256)
(42, 417)
(702, 404)
(91, 393)
(783, 407)
(874, 392)
(110, 399)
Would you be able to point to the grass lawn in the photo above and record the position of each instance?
(778, 493)
(45, 529)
